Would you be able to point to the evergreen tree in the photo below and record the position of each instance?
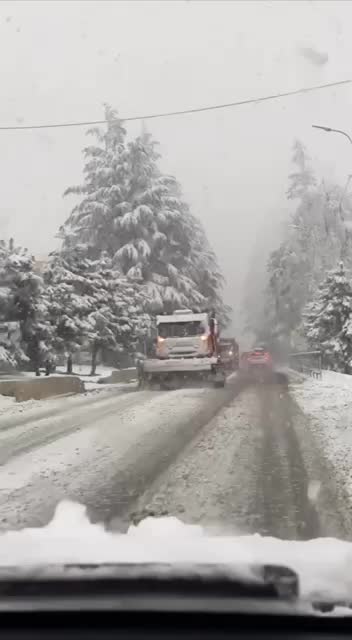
(328, 321)
(68, 301)
(301, 180)
(130, 210)
(104, 191)
(203, 267)
(8, 356)
(92, 304)
(22, 305)
(286, 289)
(153, 234)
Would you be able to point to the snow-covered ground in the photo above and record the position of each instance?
(327, 403)
(84, 370)
(9, 407)
(38, 408)
(91, 383)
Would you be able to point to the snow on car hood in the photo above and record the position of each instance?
(323, 564)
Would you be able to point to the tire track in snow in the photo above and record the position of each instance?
(244, 472)
(38, 432)
(109, 460)
(154, 453)
(282, 481)
(212, 483)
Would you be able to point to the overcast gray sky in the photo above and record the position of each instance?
(59, 61)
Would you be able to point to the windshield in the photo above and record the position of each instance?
(174, 160)
(180, 329)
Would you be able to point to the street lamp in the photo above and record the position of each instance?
(329, 130)
(343, 133)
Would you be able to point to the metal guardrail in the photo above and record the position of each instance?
(307, 362)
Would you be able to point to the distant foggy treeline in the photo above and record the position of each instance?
(298, 292)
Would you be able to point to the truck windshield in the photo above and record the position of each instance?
(180, 329)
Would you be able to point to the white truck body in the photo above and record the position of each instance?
(183, 335)
(184, 348)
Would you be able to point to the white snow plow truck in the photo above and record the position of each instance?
(186, 349)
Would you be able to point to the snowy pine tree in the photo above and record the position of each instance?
(153, 233)
(303, 178)
(137, 215)
(8, 355)
(22, 303)
(204, 269)
(68, 300)
(104, 191)
(92, 304)
(328, 321)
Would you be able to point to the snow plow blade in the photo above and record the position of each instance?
(173, 371)
(173, 365)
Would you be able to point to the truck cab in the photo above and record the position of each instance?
(186, 350)
(185, 334)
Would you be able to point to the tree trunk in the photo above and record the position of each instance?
(69, 365)
(95, 350)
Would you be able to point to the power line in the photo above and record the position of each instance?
(169, 114)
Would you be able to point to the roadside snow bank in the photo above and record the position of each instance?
(322, 564)
(92, 383)
(9, 406)
(328, 405)
(36, 409)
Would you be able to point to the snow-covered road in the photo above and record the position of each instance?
(101, 451)
(253, 468)
(239, 458)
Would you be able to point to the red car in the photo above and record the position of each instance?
(259, 355)
(259, 361)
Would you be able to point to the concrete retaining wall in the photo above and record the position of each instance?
(40, 388)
